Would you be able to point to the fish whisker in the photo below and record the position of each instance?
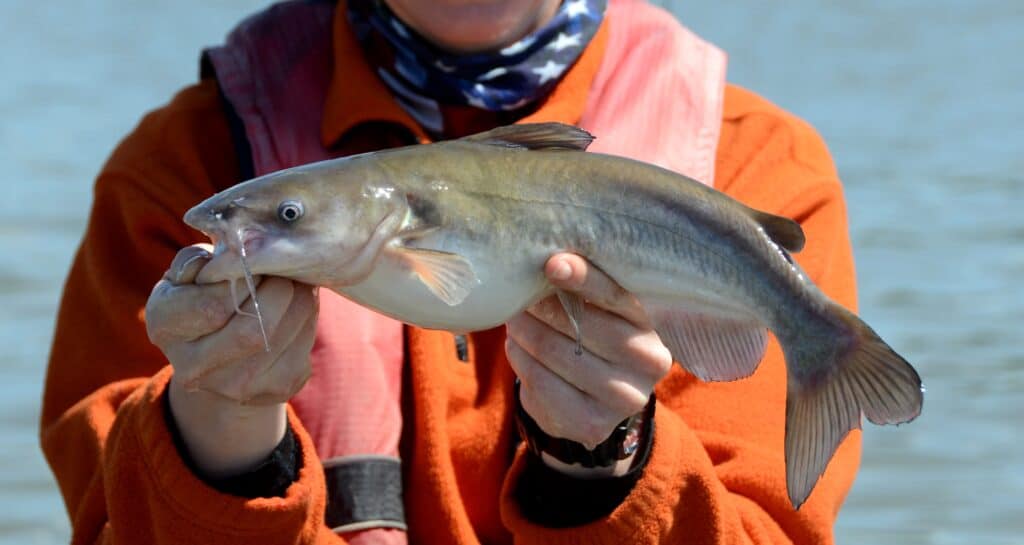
(252, 290)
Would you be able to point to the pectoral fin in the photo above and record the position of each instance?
(448, 276)
(712, 347)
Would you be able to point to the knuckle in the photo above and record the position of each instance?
(651, 357)
(658, 359)
(285, 389)
(626, 397)
(634, 401)
(663, 360)
(294, 372)
(302, 379)
(274, 391)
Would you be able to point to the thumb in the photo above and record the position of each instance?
(187, 263)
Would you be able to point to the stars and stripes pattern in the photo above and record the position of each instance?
(424, 77)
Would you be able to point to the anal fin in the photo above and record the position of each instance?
(714, 348)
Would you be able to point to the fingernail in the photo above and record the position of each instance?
(562, 271)
(180, 272)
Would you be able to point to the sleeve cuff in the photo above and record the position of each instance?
(270, 478)
(553, 499)
(647, 509)
(158, 472)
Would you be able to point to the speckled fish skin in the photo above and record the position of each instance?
(455, 235)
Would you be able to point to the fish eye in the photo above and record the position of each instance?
(290, 211)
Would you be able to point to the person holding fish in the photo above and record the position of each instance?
(493, 360)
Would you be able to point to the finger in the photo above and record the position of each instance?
(177, 313)
(242, 336)
(258, 376)
(292, 344)
(559, 409)
(619, 387)
(609, 336)
(187, 263)
(573, 273)
(290, 372)
(186, 312)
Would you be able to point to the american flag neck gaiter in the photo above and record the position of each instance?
(424, 77)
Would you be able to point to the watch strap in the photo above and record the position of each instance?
(626, 439)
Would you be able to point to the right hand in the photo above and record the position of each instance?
(227, 393)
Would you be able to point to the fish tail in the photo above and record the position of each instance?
(830, 385)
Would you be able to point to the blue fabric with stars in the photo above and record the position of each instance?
(422, 76)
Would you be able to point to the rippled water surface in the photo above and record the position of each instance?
(922, 104)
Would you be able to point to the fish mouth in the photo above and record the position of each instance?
(230, 248)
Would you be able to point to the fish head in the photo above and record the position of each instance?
(322, 226)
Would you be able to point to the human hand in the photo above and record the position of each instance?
(228, 394)
(583, 397)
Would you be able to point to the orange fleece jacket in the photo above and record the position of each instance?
(716, 470)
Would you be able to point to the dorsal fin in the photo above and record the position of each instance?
(535, 136)
(784, 231)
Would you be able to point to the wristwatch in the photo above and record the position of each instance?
(629, 436)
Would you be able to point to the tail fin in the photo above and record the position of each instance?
(822, 407)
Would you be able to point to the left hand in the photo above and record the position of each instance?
(583, 397)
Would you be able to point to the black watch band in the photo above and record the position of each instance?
(630, 435)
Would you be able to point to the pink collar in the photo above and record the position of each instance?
(659, 93)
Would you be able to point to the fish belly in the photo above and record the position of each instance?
(506, 285)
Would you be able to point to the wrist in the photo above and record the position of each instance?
(563, 492)
(623, 452)
(223, 437)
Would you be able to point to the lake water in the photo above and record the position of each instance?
(922, 104)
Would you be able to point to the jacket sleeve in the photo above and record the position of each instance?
(103, 430)
(716, 472)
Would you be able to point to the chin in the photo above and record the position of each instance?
(473, 25)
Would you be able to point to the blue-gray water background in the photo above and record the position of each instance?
(921, 102)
